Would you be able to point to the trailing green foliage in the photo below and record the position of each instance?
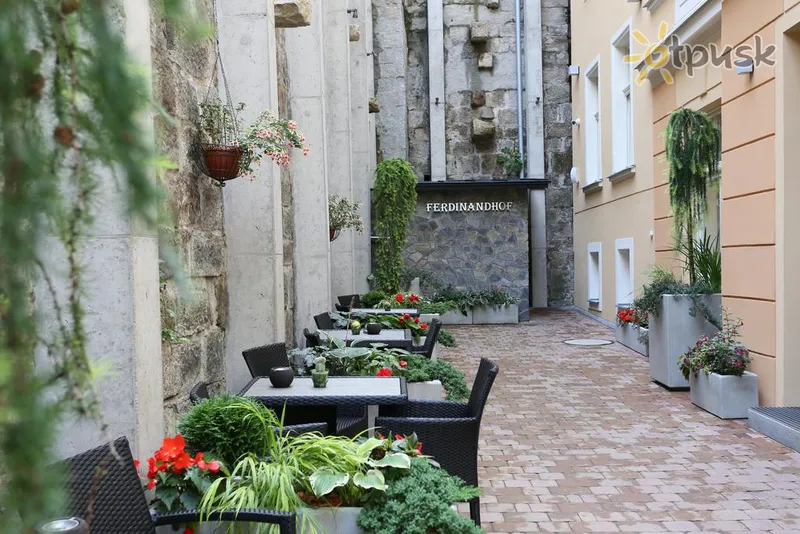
(707, 260)
(693, 148)
(511, 160)
(421, 369)
(418, 502)
(73, 112)
(664, 282)
(395, 197)
(229, 427)
(467, 300)
(447, 339)
(440, 307)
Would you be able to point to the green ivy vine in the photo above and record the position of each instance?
(395, 196)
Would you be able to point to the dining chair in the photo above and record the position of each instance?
(350, 301)
(324, 321)
(312, 339)
(260, 360)
(430, 339)
(449, 430)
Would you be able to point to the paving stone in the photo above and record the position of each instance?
(577, 439)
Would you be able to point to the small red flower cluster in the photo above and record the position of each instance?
(632, 316)
(385, 371)
(411, 298)
(172, 457)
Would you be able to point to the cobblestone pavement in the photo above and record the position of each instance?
(578, 439)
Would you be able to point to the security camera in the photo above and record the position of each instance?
(576, 122)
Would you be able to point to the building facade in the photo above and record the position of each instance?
(623, 223)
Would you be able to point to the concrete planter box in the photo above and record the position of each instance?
(628, 335)
(431, 390)
(496, 314)
(672, 332)
(456, 317)
(329, 520)
(727, 397)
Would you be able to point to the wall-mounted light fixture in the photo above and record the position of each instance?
(574, 70)
(745, 66)
(573, 175)
(353, 12)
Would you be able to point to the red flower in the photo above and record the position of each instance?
(213, 466)
(398, 436)
(424, 326)
(384, 372)
(181, 463)
(407, 316)
(136, 464)
(188, 530)
(399, 297)
(413, 298)
(419, 447)
(202, 465)
(170, 449)
(151, 485)
(403, 364)
(401, 320)
(416, 320)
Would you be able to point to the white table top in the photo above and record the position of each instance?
(381, 311)
(338, 386)
(385, 335)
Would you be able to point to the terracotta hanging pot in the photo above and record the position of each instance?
(222, 162)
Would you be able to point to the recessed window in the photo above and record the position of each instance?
(592, 137)
(595, 275)
(624, 272)
(621, 102)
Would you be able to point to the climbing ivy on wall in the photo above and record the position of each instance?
(395, 197)
(72, 113)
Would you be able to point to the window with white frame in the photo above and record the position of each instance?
(595, 276)
(621, 102)
(592, 137)
(684, 8)
(624, 271)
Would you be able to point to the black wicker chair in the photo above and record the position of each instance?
(260, 360)
(324, 321)
(350, 301)
(342, 309)
(107, 493)
(449, 431)
(430, 339)
(199, 393)
(312, 339)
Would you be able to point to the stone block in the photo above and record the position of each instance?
(214, 356)
(182, 363)
(483, 129)
(292, 13)
(355, 33)
(486, 61)
(493, 4)
(486, 113)
(478, 99)
(479, 32)
(374, 105)
(207, 253)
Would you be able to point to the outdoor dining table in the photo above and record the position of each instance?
(413, 312)
(393, 338)
(306, 404)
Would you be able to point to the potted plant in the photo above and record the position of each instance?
(631, 329)
(343, 215)
(355, 328)
(319, 376)
(716, 370)
(221, 148)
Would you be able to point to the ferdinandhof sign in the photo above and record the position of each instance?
(455, 207)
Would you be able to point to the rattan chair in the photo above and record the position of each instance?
(312, 339)
(103, 488)
(449, 431)
(430, 339)
(199, 393)
(324, 321)
(260, 360)
(350, 301)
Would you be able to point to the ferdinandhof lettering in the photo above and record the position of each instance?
(455, 207)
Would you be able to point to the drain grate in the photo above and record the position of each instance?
(588, 342)
(788, 416)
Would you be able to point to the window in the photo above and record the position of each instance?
(684, 8)
(624, 272)
(714, 193)
(592, 137)
(621, 102)
(595, 281)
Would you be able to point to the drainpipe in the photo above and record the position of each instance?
(518, 36)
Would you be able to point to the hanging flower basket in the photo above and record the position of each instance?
(222, 162)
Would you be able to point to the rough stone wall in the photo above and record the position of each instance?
(286, 193)
(558, 152)
(473, 250)
(417, 86)
(479, 97)
(390, 54)
(195, 311)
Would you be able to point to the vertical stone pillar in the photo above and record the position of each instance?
(436, 93)
(121, 298)
(391, 59)
(363, 139)
(304, 51)
(253, 215)
(534, 104)
(336, 51)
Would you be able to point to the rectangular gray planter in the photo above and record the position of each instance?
(727, 397)
(628, 335)
(496, 314)
(328, 520)
(672, 332)
(431, 390)
(456, 317)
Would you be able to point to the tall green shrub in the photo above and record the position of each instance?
(693, 143)
(395, 201)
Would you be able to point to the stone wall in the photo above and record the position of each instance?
(473, 250)
(558, 151)
(417, 86)
(194, 310)
(390, 55)
(480, 86)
